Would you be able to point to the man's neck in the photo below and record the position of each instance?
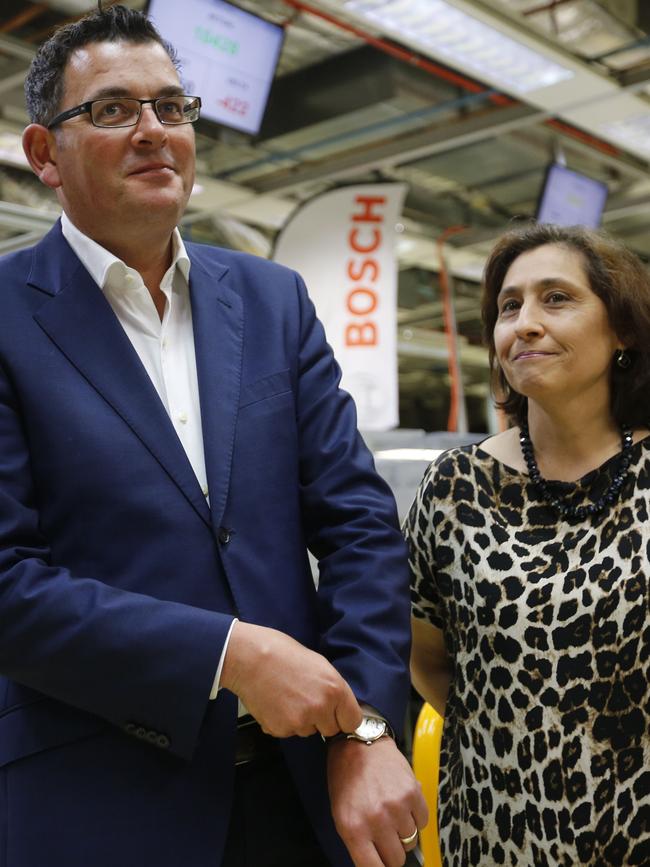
(145, 246)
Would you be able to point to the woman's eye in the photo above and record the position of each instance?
(557, 297)
(509, 306)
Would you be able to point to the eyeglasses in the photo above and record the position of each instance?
(121, 111)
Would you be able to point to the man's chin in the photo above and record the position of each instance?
(157, 202)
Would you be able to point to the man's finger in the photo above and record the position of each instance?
(390, 850)
(329, 727)
(364, 854)
(409, 840)
(420, 810)
(348, 713)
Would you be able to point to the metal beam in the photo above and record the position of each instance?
(16, 48)
(16, 79)
(19, 242)
(25, 218)
(403, 149)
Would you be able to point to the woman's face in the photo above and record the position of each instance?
(552, 336)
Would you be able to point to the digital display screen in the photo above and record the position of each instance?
(228, 57)
(571, 199)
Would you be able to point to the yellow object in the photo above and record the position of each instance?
(426, 764)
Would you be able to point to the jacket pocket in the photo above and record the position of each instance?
(40, 725)
(270, 386)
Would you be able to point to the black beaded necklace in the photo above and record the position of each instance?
(565, 509)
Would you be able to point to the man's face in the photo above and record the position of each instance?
(109, 178)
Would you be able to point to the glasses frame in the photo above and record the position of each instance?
(86, 108)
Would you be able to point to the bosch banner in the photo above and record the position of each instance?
(343, 244)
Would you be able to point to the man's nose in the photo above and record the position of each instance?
(149, 126)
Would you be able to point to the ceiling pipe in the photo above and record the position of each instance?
(47, 32)
(442, 72)
(457, 419)
(404, 54)
(546, 7)
(23, 17)
(395, 123)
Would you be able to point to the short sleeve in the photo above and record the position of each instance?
(419, 532)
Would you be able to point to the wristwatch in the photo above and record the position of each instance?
(371, 729)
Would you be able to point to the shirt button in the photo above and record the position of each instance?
(205, 490)
(182, 417)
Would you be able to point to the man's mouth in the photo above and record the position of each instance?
(151, 167)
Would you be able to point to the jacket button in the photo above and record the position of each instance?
(224, 535)
(163, 742)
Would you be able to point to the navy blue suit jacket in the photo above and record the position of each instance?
(118, 583)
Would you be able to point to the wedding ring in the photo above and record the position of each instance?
(406, 841)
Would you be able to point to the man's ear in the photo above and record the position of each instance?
(40, 149)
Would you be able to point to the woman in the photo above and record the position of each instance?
(531, 597)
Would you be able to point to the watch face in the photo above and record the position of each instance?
(371, 729)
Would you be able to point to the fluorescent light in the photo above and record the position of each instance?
(438, 29)
(632, 133)
(405, 245)
(408, 454)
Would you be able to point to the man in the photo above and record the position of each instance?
(172, 440)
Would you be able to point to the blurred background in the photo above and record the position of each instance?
(467, 102)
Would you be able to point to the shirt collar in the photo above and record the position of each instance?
(101, 264)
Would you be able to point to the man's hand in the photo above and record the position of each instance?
(375, 801)
(289, 689)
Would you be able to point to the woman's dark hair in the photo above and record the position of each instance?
(45, 79)
(617, 276)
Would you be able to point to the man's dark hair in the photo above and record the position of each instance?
(617, 276)
(44, 82)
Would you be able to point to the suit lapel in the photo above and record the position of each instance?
(79, 320)
(217, 316)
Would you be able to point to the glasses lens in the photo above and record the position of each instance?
(115, 111)
(178, 109)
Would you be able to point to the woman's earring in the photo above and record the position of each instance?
(622, 359)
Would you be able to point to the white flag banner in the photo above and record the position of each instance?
(343, 244)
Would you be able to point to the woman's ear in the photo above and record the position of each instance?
(40, 149)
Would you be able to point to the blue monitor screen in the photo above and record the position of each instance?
(228, 57)
(571, 199)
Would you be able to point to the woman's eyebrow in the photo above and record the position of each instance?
(543, 283)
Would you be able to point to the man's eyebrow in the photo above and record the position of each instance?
(107, 92)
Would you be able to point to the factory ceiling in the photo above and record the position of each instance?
(359, 97)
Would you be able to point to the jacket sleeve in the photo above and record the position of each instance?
(352, 529)
(123, 656)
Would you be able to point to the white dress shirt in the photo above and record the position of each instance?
(165, 348)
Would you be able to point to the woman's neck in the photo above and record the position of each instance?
(569, 441)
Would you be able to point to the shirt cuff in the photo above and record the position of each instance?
(217, 678)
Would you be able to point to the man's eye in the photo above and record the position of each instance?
(171, 109)
(113, 110)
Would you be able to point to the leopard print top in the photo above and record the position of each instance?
(546, 746)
